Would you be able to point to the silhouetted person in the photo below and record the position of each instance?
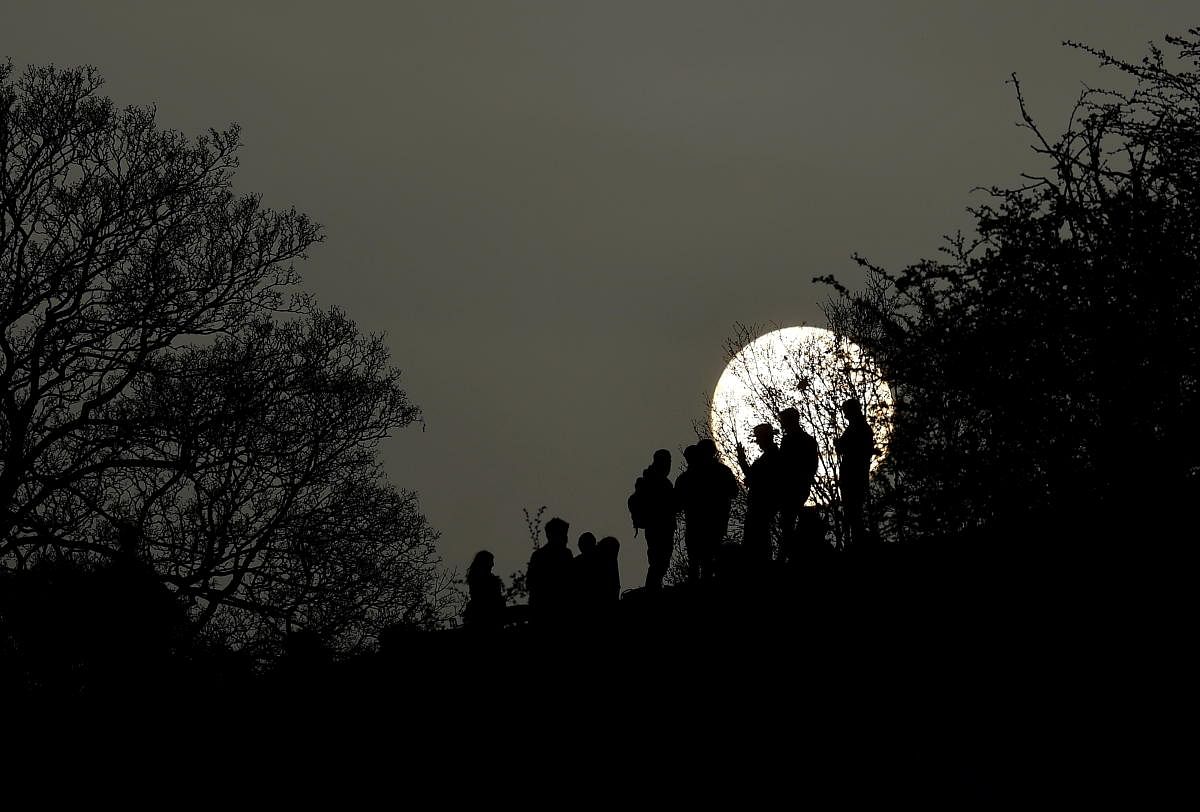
(652, 508)
(704, 492)
(799, 455)
(586, 575)
(855, 448)
(485, 610)
(762, 501)
(586, 543)
(683, 484)
(608, 551)
(549, 574)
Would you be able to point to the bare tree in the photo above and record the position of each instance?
(1047, 361)
(280, 516)
(158, 367)
(118, 242)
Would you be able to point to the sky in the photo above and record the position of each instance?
(556, 211)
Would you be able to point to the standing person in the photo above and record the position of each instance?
(799, 454)
(549, 574)
(762, 503)
(485, 610)
(585, 569)
(686, 500)
(855, 448)
(704, 492)
(652, 508)
(609, 580)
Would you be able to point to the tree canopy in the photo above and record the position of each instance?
(1049, 362)
(161, 370)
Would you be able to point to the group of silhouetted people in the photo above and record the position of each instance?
(704, 493)
(779, 483)
(561, 584)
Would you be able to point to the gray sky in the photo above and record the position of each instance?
(556, 210)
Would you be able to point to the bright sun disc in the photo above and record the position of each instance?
(810, 369)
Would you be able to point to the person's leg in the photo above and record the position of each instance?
(787, 531)
(706, 552)
(658, 553)
(757, 536)
(853, 501)
(694, 542)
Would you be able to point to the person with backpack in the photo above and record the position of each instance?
(652, 508)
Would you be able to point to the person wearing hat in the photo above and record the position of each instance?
(762, 503)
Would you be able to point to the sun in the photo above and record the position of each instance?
(810, 369)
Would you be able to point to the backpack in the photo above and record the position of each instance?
(639, 507)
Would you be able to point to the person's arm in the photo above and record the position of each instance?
(741, 458)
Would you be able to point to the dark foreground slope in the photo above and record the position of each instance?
(954, 671)
(923, 672)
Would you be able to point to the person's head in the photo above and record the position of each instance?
(789, 418)
(764, 435)
(689, 455)
(587, 543)
(556, 532)
(481, 565)
(706, 449)
(609, 547)
(852, 409)
(662, 461)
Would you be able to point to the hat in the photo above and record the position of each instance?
(764, 430)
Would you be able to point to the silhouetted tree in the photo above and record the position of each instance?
(282, 518)
(158, 367)
(1050, 362)
(518, 588)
